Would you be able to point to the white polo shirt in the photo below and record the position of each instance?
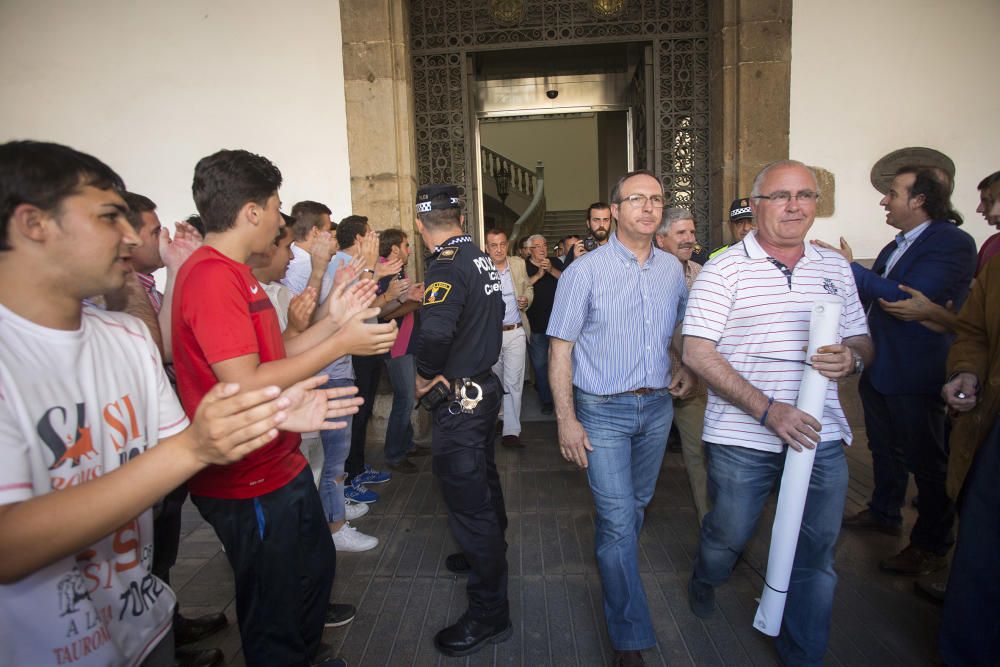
(755, 313)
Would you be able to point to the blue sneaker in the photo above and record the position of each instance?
(372, 476)
(359, 493)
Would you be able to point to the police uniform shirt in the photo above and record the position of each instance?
(462, 315)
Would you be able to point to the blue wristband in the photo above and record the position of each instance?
(763, 417)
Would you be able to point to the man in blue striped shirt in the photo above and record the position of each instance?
(609, 365)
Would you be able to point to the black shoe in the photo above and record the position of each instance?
(209, 657)
(339, 614)
(457, 563)
(701, 599)
(469, 635)
(931, 590)
(865, 520)
(191, 630)
(405, 466)
(628, 659)
(512, 442)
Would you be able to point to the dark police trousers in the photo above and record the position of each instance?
(465, 466)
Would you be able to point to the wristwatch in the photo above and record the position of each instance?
(859, 363)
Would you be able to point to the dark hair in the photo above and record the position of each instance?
(616, 192)
(597, 205)
(496, 231)
(307, 215)
(137, 205)
(937, 203)
(350, 228)
(195, 221)
(989, 181)
(226, 181)
(43, 174)
(388, 239)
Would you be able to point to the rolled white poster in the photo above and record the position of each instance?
(824, 325)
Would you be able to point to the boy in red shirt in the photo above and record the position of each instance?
(265, 509)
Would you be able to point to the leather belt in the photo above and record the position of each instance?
(511, 327)
(642, 391)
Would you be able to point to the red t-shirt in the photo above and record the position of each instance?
(220, 312)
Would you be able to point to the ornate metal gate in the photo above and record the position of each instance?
(443, 32)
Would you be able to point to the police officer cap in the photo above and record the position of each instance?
(438, 196)
(740, 210)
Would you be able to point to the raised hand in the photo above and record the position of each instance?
(322, 249)
(230, 424)
(396, 288)
(346, 301)
(348, 273)
(366, 339)
(415, 293)
(311, 408)
(300, 309)
(388, 268)
(174, 252)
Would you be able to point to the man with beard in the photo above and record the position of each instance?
(599, 223)
(676, 236)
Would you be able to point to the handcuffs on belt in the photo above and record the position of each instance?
(462, 403)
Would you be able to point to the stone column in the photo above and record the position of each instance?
(750, 62)
(380, 123)
(380, 140)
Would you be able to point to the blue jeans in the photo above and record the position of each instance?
(399, 431)
(538, 352)
(739, 482)
(336, 445)
(629, 435)
(970, 625)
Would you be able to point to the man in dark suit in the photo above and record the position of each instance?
(900, 391)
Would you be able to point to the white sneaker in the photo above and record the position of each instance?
(348, 538)
(354, 511)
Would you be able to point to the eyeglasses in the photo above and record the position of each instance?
(639, 201)
(782, 197)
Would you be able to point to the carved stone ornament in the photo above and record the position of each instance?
(507, 12)
(608, 9)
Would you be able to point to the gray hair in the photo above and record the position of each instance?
(672, 215)
(531, 239)
(762, 174)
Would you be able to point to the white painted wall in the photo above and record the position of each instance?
(150, 87)
(567, 147)
(871, 77)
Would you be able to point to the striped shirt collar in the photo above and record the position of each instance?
(755, 251)
(624, 253)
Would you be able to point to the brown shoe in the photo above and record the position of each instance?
(628, 659)
(865, 520)
(512, 441)
(914, 561)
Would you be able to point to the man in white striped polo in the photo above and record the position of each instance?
(746, 327)
(610, 331)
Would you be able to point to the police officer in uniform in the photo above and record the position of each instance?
(459, 341)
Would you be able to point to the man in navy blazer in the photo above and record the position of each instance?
(900, 390)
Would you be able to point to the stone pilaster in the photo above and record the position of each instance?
(750, 62)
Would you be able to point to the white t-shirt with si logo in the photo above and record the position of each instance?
(75, 405)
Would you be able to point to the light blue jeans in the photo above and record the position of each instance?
(739, 482)
(336, 445)
(629, 435)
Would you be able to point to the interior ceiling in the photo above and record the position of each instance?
(557, 60)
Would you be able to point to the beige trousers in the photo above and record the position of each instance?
(689, 416)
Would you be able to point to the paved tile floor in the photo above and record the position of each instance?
(404, 594)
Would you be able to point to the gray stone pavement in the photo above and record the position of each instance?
(404, 594)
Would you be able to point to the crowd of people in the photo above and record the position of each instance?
(119, 400)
